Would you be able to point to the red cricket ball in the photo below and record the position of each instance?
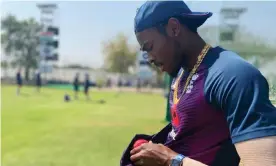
(139, 142)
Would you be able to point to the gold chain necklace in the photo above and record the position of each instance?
(199, 60)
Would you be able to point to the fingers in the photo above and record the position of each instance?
(139, 148)
(137, 153)
(136, 150)
(136, 157)
(138, 163)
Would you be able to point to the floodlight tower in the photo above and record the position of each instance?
(229, 23)
(49, 36)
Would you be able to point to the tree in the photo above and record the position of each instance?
(245, 44)
(20, 40)
(4, 65)
(118, 54)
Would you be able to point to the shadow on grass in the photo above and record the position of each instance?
(101, 101)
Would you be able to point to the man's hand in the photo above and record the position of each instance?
(150, 154)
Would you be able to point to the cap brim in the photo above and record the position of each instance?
(198, 18)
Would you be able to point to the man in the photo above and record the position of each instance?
(76, 84)
(120, 84)
(19, 81)
(138, 85)
(108, 83)
(86, 86)
(38, 81)
(219, 103)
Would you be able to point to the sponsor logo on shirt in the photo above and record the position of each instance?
(191, 84)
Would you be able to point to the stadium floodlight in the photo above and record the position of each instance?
(229, 20)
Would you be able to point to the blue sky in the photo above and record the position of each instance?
(84, 25)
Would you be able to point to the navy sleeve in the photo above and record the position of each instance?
(242, 92)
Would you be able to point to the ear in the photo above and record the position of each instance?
(173, 27)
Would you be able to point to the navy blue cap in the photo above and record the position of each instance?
(153, 13)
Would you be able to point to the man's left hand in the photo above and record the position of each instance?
(150, 154)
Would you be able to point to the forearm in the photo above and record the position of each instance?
(190, 162)
(256, 152)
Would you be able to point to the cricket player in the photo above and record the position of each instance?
(138, 85)
(76, 84)
(220, 107)
(86, 86)
(19, 81)
(38, 81)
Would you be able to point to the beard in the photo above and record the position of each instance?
(178, 62)
(177, 59)
(175, 72)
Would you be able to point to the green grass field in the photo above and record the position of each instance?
(42, 130)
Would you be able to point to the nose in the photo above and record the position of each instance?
(151, 59)
(155, 63)
(148, 57)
